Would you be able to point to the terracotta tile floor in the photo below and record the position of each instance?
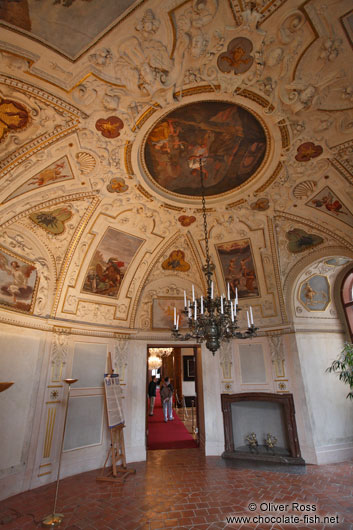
(183, 489)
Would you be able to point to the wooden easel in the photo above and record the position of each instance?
(115, 472)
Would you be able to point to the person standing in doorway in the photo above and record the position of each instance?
(152, 393)
(167, 400)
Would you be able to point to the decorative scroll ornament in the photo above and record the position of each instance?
(60, 347)
(120, 361)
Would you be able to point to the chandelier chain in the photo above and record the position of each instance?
(208, 268)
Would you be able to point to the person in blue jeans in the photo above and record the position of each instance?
(167, 400)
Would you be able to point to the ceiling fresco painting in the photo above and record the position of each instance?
(228, 139)
(110, 263)
(107, 109)
(69, 26)
(238, 268)
(315, 293)
(163, 313)
(328, 202)
(56, 172)
(17, 282)
(13, 116)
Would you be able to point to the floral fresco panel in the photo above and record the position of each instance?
(52, 221)
(110, 262)
(299, 240)
(238, 268)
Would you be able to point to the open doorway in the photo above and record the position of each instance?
(176, 424)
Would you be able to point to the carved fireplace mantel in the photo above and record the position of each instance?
(284, 404)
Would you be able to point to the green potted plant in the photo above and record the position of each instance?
(343, 367)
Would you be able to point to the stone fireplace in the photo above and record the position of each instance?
(260, 413)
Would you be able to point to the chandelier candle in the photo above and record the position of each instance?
(211, 319)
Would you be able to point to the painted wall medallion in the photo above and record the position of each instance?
(230, 141)
(176, 262)
(69, 26)
(238, 267)
(186, 220)
(237, 58)
(260, 205)
(110, 127)
(18, 280)
(328, 202)
(299, 240)
(314, 293)
(337, 262)
(163, 313)
(56, 172)
(13, 117)
(52, 221)
(117, 185)
(110, 262)
(307, 151)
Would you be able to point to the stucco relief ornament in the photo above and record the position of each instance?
(145, 69)
(148, 25)
(226, 356)
(276, 348)
(120, 361)
(43, 298)
(102, 57)
(60, 347)
(86, 162)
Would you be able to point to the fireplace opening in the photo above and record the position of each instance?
(260, 426)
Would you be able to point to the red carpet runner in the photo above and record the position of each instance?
(170, 435)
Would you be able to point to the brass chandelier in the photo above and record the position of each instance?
(211, 319)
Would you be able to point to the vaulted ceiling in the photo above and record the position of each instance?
(105, 113)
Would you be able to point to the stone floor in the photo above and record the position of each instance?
(183, 489)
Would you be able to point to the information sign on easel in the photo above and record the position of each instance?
(116, 424)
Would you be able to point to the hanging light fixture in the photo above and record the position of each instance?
(154, 362)
(211, 319)
(160, 352)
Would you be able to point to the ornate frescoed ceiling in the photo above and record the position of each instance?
(105, 114)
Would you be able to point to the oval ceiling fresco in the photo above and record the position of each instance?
(228, 139)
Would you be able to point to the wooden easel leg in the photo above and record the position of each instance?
(113, 448)
(117, 452)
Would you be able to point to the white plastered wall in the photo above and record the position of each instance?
(22, 359)
(32, 417)
(327, 428)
